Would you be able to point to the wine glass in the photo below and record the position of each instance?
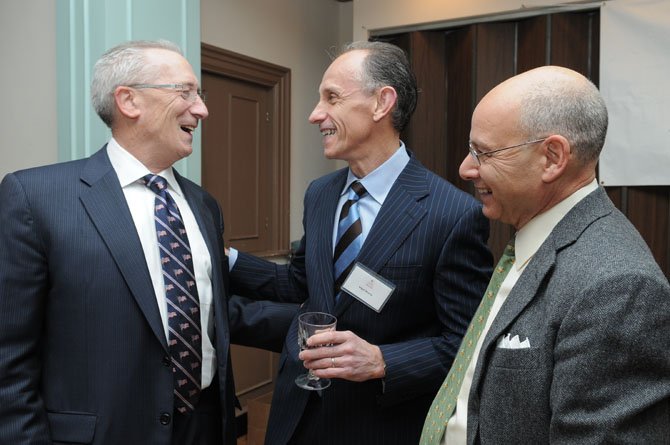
(311, 323)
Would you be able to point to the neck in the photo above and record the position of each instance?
(374, 156)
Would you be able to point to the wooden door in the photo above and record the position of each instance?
(237, 158)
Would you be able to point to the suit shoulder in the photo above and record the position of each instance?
(445, 190)
(50, 177)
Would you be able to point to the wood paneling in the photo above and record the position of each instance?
(570, 41)
(649, 211)
(427, 136)
(459, 54)
(532, 43)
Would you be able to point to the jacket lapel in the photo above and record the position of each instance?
(594, 206)
(106, 205)
(397, 218)
(322, 255)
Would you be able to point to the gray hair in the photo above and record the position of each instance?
(573, 109)
(387, 65)
(123, 64)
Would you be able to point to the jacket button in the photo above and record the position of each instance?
(165, 419)
(166, 360)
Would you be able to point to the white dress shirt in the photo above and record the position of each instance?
(140, 201)
(528, 240)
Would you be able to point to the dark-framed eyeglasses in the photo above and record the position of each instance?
(489, 154)
(187, 92)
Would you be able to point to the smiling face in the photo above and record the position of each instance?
(167, 121)
(345, 111)
(510, 182)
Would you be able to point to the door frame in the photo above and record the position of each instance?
(226, 63)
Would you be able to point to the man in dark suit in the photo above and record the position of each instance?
(89, 352)
(419, 235)
(575, 348)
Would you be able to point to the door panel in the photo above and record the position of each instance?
(237, 161)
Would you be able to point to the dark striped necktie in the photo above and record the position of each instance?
(181, 292)
(349, 235)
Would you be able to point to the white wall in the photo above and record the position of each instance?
(28, 79)
(295, 34)
(376, 15)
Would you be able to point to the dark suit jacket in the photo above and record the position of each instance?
(83, 354)
(596, 310)
(429, 239)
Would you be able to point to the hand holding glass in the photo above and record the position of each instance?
(311, 323)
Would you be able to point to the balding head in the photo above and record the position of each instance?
(556, 100)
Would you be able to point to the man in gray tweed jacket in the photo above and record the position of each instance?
(576, 347)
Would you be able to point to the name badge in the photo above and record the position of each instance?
(368, 287)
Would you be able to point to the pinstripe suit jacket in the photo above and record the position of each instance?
(429, 239)
(82, 347)
(596, 310)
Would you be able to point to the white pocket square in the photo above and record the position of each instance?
(509, 342)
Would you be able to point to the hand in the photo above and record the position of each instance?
(350, 357)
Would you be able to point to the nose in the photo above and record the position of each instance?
(317, 115)
(199, 109)
(469, 169)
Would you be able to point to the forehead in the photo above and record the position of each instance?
(171, 66)
(344, 73)
(495, 118)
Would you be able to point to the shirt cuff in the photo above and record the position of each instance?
(232, 258)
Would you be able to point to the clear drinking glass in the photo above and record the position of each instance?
(311, 323)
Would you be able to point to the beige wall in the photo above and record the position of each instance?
(371, 16)
(28, 79)
(295, 34)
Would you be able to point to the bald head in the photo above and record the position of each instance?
(555, 100)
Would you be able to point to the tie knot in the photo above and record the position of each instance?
(156, 184)
(358, 190)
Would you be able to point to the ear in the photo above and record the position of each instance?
(126, 100)
(386, 99)
(557, 153)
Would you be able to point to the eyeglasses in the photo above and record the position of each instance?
(187, 93)
(489, 154)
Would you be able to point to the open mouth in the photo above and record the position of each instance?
(328, 132)
(188, 129)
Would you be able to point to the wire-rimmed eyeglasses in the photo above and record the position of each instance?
(187, 92)
(489, 154)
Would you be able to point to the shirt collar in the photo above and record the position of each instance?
(130, 170)
(378, 182)
(531, 236)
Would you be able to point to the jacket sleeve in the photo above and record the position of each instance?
(23, 291)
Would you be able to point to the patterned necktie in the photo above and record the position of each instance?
(349, 235)
(445, 401)
(181, 294)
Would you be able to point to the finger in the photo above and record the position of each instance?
(325, 338)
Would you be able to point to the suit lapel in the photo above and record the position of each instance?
(322, 255)
(397, 218)
(567, 231)
(106, 205)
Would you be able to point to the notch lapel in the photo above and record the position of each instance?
(567, 231)
(320, 253)
(397, 218)
(106, 205)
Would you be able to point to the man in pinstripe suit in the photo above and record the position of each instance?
(420, 233)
